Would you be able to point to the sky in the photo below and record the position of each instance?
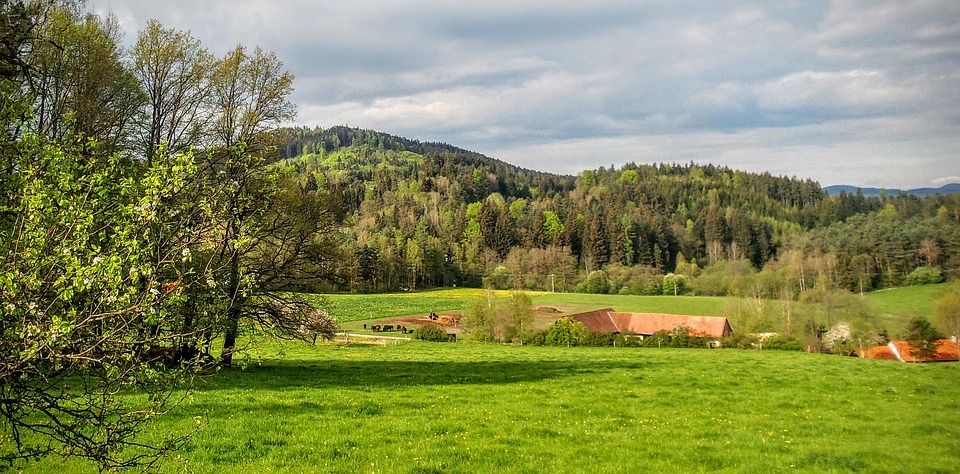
(865, 93)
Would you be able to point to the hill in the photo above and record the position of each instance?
(420, 215)
(945, 190)
(426, 214)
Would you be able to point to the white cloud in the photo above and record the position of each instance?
(853, 91)
(844, 90)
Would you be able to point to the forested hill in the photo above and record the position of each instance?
(422, 215)
(357, 152)
(433, 214)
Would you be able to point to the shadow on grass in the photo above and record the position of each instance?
(293, 388)
(284, 375)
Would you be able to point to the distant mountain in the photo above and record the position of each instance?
(874, 192)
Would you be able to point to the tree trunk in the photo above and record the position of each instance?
(233, 312)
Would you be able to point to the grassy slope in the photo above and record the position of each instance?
(908, 301)
(426, 407)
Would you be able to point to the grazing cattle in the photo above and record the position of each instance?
(388, 327)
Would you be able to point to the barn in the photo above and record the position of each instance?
(646, 324)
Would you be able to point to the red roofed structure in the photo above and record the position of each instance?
(647, 324)
(947, 351)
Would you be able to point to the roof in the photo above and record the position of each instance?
(598, 321)
(608, 320)
(900, 350)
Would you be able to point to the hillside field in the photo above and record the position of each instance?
(894, 307)
(458, 407)
(899, 305)
(353, 310)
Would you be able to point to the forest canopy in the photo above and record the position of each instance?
(427, 214)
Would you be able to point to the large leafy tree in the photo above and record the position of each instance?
(174, 71)
(274, 234)
(115, 270)
(91, 259)
(78, 79)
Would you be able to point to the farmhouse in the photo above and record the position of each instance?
(647, 324)
(946, 351)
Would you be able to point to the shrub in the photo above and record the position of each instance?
(679, 337)
(739, 341)
(596, 283)
(538, 338)
(780, 343)
(431, 332)
(925, 276)
(565, 332)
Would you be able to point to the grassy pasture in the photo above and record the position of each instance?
(353, 310)
(895, 306)
(427, 407)
(899, 305)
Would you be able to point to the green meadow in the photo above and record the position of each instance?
(896, 306)
(420, 407)
(425, 407)
(354, 310)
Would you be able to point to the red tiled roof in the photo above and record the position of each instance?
(598, 321)
(607, 320)
(900, 350)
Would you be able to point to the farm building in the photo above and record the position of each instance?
(947, 351)
(647, 324)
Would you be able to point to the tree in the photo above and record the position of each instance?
(948, 313)
(92, 266)
(174, 71)
(367, 268)
(595, 283)
(922, 338)
(565, 332)
(521, 316)
(478, 320)
(80, 84)
(248, 99)
(674, 284)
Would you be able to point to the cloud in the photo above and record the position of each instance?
(843, 91)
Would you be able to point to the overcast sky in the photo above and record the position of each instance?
(843, 92)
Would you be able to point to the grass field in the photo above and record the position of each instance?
(353, 310)
(901, 304)
(895, 306)
(428, 407)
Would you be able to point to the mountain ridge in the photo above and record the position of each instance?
(945, 190)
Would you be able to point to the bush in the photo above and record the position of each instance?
(431, 332)
(565, 332)
(538, 338)
(679, 337)
(925, 276)
(738, 341)
(596, 283)
(780, 343)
